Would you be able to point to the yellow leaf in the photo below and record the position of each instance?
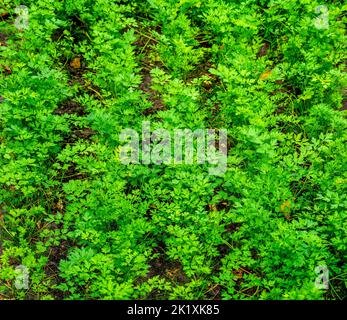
(212, 207)
(264, 75)
(76, 63)
(285, 206)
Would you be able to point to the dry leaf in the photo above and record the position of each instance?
(60, 205)
(264, 75)
(212, 207)
(8, 70)
(75, 63)
(285, 206)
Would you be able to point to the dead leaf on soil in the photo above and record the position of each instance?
(75, 63)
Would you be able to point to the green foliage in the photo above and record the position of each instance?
(88, 227)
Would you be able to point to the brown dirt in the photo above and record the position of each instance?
(170, 270)
(153, 96)
(70, 107)
(72, 174)
(3, 39)
(144, 47)
(263, 50)
(4, 16)
(344, 105)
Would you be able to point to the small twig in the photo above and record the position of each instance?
(146, 36)
(144, 47)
